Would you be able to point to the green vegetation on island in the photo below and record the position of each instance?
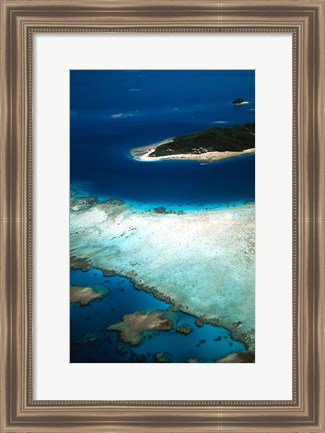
(216, 139)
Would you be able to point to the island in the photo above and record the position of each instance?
(208, 145)
(239, 101)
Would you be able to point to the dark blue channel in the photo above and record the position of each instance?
(206, 343)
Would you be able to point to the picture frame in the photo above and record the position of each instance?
(20, 20)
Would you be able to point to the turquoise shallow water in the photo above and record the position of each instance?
(207, 343)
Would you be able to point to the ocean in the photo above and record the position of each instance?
(90, 341)
(112, 112)
(115, 111)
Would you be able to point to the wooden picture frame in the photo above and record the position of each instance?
(20, 19)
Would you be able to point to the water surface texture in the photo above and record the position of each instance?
(115, 111)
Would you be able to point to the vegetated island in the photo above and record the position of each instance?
(208, 145)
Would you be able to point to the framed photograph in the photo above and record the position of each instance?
(148, 222)
(162, 216)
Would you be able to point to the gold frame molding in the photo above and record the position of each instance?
(20, 20)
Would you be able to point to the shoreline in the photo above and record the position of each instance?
(142, 154)
(168, 207)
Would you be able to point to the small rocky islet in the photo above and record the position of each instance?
(239, 101)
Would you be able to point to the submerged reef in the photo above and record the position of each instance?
(134, 325)
(238, 357)
(184, 329)
(161, 209)
(163, 357)
(85, 294)
(92, 338)
(202, 262)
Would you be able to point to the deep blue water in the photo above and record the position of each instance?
(123, 298)
(115, 111)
